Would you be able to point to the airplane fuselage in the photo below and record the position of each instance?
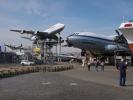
(96, 44)
(57, 28)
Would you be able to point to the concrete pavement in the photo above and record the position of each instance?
(77, 84)
(109, 77)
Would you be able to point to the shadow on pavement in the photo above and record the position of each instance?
(130, 85)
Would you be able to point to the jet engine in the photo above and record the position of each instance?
(33, 38)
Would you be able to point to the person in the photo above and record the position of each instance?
(96, 64)
(102, 65)
(90, 60)
(122, 67)
(89, 65)
(83, 62)
(83, 56)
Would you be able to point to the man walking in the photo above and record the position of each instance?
(122, 66)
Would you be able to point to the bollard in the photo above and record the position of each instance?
(1, 74)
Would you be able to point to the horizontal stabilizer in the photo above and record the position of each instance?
(15, 30)
(28, 38)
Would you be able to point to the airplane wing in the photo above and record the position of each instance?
(24, 31)
(14, 47)
(19, 46)
(11, 47)
(28, 32)
(7, 45)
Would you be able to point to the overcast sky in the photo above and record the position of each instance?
(99, 16)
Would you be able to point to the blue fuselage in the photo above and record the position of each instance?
(96, 44)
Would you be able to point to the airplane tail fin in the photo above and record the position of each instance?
(127, 30)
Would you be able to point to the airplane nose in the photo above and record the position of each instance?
(68, 41)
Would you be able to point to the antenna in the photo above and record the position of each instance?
(123, 19)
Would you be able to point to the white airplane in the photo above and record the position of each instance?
(126, 29)
(49, 33)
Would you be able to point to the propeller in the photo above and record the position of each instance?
(120, 38)
(118, 32)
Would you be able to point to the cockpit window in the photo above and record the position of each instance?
(75, 33)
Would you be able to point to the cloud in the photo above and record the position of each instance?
(33, 7)
(39, 8)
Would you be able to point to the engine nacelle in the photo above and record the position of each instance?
(111, 47)
(22, 32)
(33, 38)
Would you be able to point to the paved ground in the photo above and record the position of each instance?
(77, 84)
(109, 77)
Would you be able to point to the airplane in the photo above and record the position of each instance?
(16, 47)
(97, 44)
(126, 28)
(49, 33)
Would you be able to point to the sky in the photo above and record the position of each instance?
(98, 16)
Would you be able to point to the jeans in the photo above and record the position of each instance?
(122, 78)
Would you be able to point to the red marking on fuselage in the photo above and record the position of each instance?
(131, 47)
